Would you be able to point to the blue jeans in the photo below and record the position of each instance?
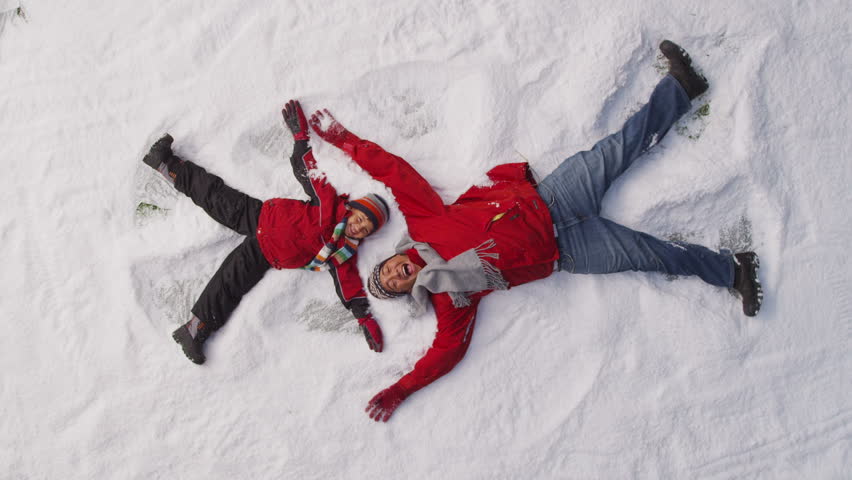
(574, 191)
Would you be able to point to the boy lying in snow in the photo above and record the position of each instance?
(320, 234)
(514, 232)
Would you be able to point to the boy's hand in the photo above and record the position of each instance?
(372, 332)
(294, 117)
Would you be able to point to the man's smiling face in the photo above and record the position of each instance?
(398, 274)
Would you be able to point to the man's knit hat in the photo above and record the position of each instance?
(374, 284)
(374, 207)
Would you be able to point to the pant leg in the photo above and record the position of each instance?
(238, 274)
(226, 205)
(598, 245)
(577, 186)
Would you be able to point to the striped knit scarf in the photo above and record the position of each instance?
(328, 254)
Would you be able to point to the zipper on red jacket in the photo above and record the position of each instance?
(500, 215)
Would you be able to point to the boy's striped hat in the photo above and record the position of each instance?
(374, 207)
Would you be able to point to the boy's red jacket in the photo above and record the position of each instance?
(509, 211)
(291, 232)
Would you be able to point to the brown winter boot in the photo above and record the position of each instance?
(746, 282)
(680, 67)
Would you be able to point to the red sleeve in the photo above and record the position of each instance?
(350, 288)
(455, 328)
(415, 196)
(324, 194)
(511, 172)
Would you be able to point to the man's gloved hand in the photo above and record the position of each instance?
(372, 332)
(295, 120)
(382, 406)
(334, 133)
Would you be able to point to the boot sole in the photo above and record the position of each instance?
(755, 270)
(671, 50)
(150, 159)
(675, 53)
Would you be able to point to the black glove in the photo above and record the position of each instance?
(295, 120)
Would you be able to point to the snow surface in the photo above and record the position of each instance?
(621, 376)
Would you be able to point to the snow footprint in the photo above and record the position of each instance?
(167, 287)
(327, 317)
(408, 112)
(154, 197)
(271, 141)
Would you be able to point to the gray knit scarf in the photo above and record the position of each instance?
(466, 273)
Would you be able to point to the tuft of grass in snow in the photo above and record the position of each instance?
(661, 65)
(693, 126)
(146, 211)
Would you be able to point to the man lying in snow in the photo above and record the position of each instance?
(513, 232)
(320, 234)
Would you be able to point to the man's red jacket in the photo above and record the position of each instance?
(509, 211)
(291, 232)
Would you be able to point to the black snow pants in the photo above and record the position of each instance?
(243, 267)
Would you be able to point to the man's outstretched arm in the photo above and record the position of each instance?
(413, 193)
(455, 329)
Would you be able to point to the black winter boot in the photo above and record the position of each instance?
(746, 282)
(160, 157)
(191, 337)
(680, 67)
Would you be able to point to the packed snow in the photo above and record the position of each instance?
(629, 375)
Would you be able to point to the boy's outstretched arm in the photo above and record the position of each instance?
(321, 193)
(455, 328)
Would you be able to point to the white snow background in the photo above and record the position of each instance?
(628, 375)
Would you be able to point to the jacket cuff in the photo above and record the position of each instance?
(401, 391)
(407, 385)
(349, 142)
